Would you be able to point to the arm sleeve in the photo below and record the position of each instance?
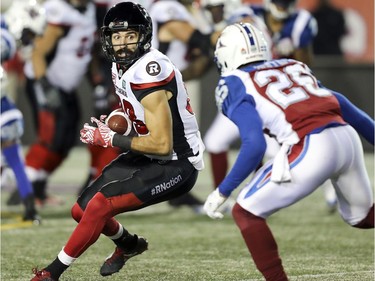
(253, 146)
(357, 118)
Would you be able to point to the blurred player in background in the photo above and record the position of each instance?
(22, 21)
(317, 144)
(104, 98)
(177, 35)
(163, 158)
(60, 59)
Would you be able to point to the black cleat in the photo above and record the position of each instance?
(119, 257)
(33, 217)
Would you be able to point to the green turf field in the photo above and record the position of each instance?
(184, 246)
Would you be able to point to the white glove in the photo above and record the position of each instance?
(101, 135)
(213, 202)
(284, 47)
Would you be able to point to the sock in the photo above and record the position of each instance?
(56, 268)
(368, 221)
(126, 241)
(219, 164)
(40, 189)
(261, 244)
(13, 157)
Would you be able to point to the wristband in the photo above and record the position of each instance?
(123, 142)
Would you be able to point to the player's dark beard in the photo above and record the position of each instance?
(124, 51)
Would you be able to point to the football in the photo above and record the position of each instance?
(119, 122)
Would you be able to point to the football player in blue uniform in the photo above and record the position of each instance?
(311, 122)
(30, 20)
(290, 33)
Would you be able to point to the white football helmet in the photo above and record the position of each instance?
(240, 44)
(25, 15)
(280, 9)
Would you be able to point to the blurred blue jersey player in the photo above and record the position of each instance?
(12, 128)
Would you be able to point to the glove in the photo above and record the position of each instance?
(213, 202)
(284, 47)
(50, 95)
(101, 135)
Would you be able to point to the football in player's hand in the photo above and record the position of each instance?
(119, 122)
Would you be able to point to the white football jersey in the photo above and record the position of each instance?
(162, 12)
(68, 63)
(152, 72)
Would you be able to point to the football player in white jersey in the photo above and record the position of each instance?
(308, 120)
(59, 61)
(164, 157)
(178, 36)
(21, 21)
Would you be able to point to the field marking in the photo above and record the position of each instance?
(19, 223)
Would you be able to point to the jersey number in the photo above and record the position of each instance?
(138, 125)
(293, 84)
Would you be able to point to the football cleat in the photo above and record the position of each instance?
(119, 257)
(33, 217)
(42, 275)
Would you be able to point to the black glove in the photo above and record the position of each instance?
(50, 95)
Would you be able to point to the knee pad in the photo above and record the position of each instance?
(98, 208)
(76, 212)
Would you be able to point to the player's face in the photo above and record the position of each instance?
(217, 13)
(124, 42)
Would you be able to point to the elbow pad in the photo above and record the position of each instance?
(200, 41)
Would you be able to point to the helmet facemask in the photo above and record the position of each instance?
(126, 17)
(131, 53)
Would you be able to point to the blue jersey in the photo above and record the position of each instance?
(298, 30)
(8, 44)
(11, 119)
(284, 99)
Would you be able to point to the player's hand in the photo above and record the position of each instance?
(50, 95)
(284, 47)
(101, 135)
(213, 202)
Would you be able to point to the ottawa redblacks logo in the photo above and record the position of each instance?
(153, 68)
